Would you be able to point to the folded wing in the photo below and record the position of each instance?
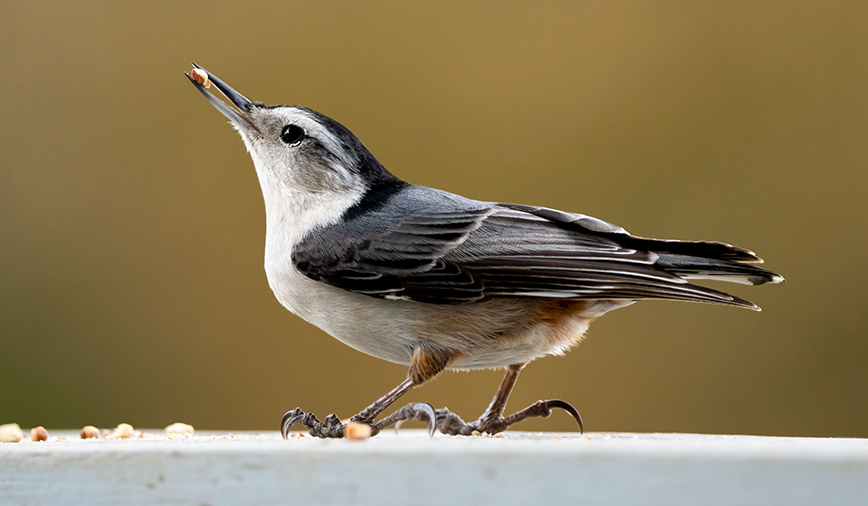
(432, 246)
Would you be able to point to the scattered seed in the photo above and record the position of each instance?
(355, 430)
(180, 429)
(89, 432)
(10, 433)
(125, 431)
(38, 434)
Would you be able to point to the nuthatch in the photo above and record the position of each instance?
(435, 281)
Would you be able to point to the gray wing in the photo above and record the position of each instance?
(436, 247)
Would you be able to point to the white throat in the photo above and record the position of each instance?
(290, 214)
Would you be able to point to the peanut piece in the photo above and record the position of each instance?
(124, 431)
(10, 433)
(201, 77)
(356, 431)
(89, 432)
(179, 428)
(38, 434)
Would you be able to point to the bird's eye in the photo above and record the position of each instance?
(291, 134)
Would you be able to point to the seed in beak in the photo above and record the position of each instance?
(201, 77)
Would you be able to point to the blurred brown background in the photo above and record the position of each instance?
(132, 225)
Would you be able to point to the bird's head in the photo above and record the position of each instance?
(300, 152)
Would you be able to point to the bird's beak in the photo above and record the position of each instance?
(244, 104)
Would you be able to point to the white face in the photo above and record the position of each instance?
(301, 151)
(309, 170)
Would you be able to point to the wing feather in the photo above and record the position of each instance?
(432, 246)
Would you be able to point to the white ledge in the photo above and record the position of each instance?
(519, 468)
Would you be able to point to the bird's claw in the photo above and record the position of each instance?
(332, 427)
(291, 418)
(421, 411)
(569, 408)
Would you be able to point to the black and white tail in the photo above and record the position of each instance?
(621, 265)
(707, 260)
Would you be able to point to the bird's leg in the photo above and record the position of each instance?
(368, 414)
(493, 421)
(425, 364)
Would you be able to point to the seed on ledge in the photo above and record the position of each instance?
(38, 434)
(124, 431)
(89, 432)
(201, 77)
(355, 430)
(10, 433)
(180, 429)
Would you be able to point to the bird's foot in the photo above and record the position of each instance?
(450, 423)
(421, 411)
(333, 427)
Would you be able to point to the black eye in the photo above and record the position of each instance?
(291, 134)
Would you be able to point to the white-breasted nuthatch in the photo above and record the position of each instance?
(435, 281)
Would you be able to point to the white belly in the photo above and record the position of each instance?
(493, 333)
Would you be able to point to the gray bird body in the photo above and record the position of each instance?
(426, 268)
(430, 279)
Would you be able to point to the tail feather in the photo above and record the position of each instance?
(702, 249)
(694, 267)
(707, 260)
